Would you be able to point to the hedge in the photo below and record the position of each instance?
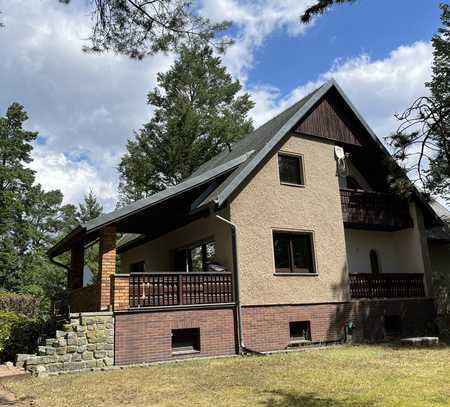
(25, 304)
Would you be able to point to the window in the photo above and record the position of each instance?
(392, 325)
(185, 340)
(197, 257)
(291, 169)
(138, 267)
(300, 331)
(374, 264)
(293, 252)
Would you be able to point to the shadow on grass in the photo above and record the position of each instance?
(283, 398)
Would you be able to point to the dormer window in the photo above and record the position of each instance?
(290, 167)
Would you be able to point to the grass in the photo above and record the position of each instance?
(366, 376)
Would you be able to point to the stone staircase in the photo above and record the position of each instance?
(85, 343)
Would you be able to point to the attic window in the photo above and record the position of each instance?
(291, 169)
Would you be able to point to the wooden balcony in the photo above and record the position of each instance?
(400, 285)
(163, 289)
(374, 210)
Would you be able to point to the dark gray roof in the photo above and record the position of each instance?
(167, 193)
(240, 162)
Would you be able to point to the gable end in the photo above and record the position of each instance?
(329, 120)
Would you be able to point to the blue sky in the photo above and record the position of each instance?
(86, 107)
(343, 32)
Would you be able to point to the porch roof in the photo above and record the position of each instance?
(156, 214)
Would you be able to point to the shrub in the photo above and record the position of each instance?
(25, 304)
(18, 334)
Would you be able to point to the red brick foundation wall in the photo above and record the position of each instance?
(266, 328)
(146, 336)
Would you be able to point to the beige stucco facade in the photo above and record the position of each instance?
(265, 205)
(158, 254)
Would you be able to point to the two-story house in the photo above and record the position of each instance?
(291, 236)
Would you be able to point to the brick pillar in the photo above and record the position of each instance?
(106, 264)
(75, 277)
(120, 291)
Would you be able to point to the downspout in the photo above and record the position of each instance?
(240, 329)
(58, 263)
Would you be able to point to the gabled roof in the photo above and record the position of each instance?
(227, 171)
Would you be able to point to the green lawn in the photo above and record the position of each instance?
(336, 377)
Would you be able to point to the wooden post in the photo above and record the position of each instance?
(106, 265)
(75, 276)
(180, 289)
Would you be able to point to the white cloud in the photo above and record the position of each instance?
(85, 106)
(255, 21)
(378, 88)
(74, 178)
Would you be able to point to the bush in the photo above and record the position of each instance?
(25, 304)
(18, 334)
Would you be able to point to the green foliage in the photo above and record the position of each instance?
(90, 208)
(18, 334)
(30, 218)
(137, 28)
(198, 113)
(25, 304)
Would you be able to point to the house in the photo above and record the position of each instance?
(291, 236)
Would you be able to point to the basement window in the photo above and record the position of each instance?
(392, 325)
(299, 331)
(185, 341)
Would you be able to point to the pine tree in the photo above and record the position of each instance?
(422, 142)
(198, 112)
(15, 182)
(137, 28)
(90, 209)
(30, 218)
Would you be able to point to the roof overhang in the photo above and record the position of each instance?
(156, 214)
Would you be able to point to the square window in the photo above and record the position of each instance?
(300, 331)
(293, 252)
(392, 325)
(185, 340)
(291, 169)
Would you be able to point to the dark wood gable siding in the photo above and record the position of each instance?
(330, 120)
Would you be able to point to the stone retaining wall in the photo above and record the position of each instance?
(86, 343)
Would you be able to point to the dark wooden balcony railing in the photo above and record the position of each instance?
(162, 289)
(374, 210)
(386, 285)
